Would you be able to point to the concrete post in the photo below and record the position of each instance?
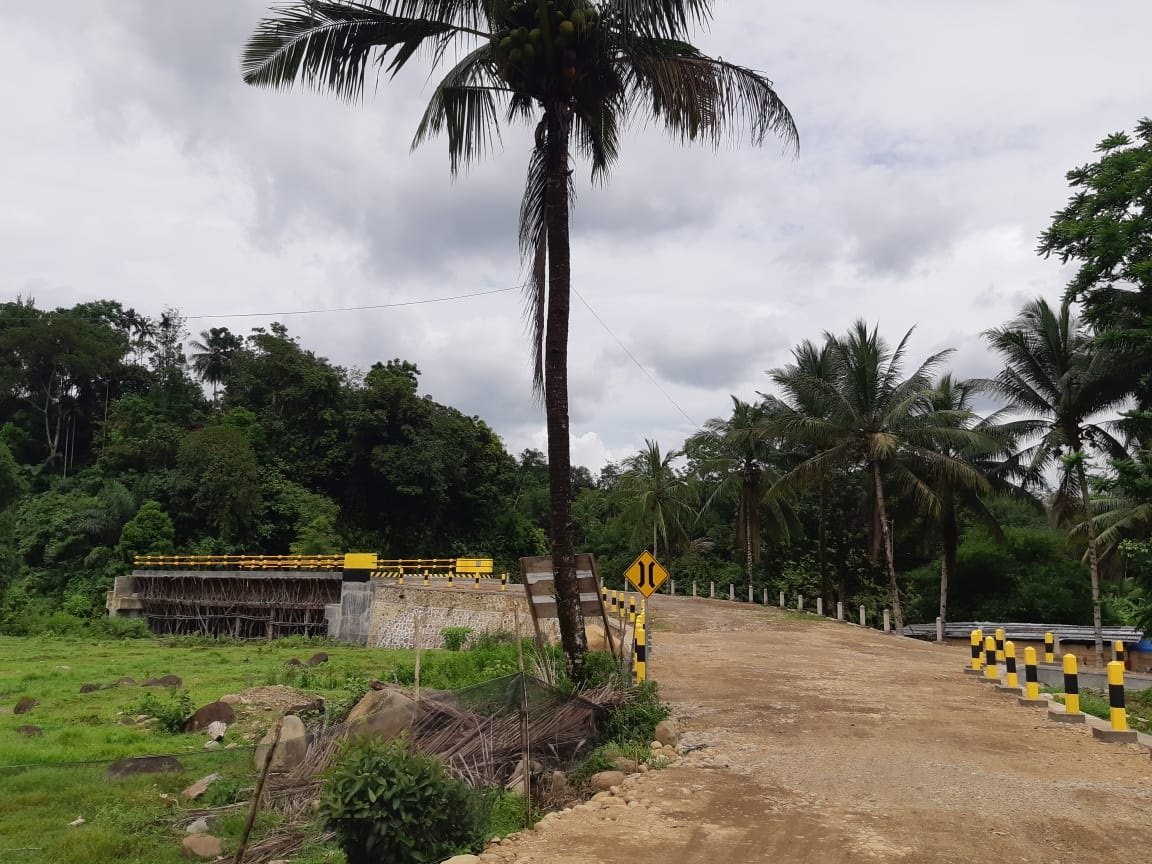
(839, 610)
(820, 606)
(712, 590)
(781, 599)
(799, 602)
(672, 588)
(693, 587)
(751, 598)
(731, 590)
(939, 629)
(887, 622)
(863, 617)
(765, 596)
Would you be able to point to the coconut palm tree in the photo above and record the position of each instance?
(868, 415)
(576, 71)
(212, 355)
(654, 494)
(1055, 373)
(743, 460)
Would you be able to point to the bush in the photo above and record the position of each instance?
(455, 637)
(170, 714)
(634, 720)
(122, 628)
(390, 805)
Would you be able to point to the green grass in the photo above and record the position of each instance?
(1095, 702)
(127, 821)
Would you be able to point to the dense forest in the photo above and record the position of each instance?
(858, 474)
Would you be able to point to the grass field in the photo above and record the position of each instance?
(44, 786)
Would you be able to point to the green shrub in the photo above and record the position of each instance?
(506, 814)
(455, 637)
(226, 790)
(634, 720)
(600, 668)
(390, 805)
(170, 713)
(121, 628)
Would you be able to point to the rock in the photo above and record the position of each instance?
(127, 721)
(667, 733)
(231, 699)
(643, 769)
(90, 688)
(213, 712)
(231, 745)
(124, 682)
(597, 637)
(30, 731)
(217, 729)
(655, 745)
(292, 749)
(605, 780)
(199, 788)
(143, 765)
(76, 823)
(211, 744)
(383, 714)
(444, 697)
(203, 846)
(25, 705)
(200, 826)
(462, 859)
(317, 659)
(559, 782)
(669, 753)
(164, 681)
(316, 704)
(294, 661)
(628, 766)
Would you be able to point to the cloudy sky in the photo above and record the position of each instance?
(935, 135)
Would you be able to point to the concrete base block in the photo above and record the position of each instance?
(973, 671)
(1112, 736)
(1010, 691)
(1061, 717)
(995, 681)
(1024, 700)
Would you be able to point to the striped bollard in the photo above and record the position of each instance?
(990, 671)
(640, 650)
(400, 577)
(1120, 653)
(425, 578)
(632, 610)
(820, 606)
(449, 579)
(603, 596)
(1071, 712)
(1031, 680)
(1000, 646)
(1118, 731)
(503, 581)
(477, 580)
(1011, 679)
(974, 640)
(1049, 648)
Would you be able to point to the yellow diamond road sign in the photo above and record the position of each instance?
(646, 573)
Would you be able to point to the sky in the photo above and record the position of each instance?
(135, 165)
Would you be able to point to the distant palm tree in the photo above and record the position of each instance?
(577, 71)
(212, 356)
(870, 415)
(743, 460)
(1055, 373)
(654, 494)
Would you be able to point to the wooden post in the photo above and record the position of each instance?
(416, 644)
(524, 736)
(243, 847)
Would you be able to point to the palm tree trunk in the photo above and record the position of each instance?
(948, 544)
(1093, 561)
(825, 579)
(654, 555)
(889, 552)
(571, 618)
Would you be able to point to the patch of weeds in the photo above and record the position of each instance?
(634, 720)
(506, 814)
(226, 790)
(170, 714)
(455, 637)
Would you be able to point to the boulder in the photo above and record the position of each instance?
(462, 859)
(231, 699)
(124, 682)
(292, 749)
(383, 714)
(317, 659)
(143, 765)
(217, 729)
(294, 661)
(90, 688)
(25, 705)
(204, 847)
(164, 681)
(213, 712)
(667, 733)
(199, 788)
(30, 731)
(605, 780)
(597, 637)
(559, 782)
(211, 744)
(127, 721)
(200, 826)
(625, 765)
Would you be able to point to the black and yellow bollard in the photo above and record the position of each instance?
(1119, 653)
(1000, 646)
(1071, 712)
(1049, 648)
(1031, 680)
(450, 574)
(990, 671)
(623, 608)
(503, 581)
(640, 651)
(477, 576)
(603, 596)
(632, 609)
(425, 578)
(400, 577)
(976, 637)
(1118, 731)
(1011, 679)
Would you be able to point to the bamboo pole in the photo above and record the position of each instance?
(524, 737)
(416, 636)
(242, 848)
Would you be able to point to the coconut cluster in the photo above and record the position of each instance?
(545, 41)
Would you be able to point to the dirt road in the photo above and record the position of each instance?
(829, 744)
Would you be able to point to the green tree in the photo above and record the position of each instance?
(578, 70)
(218, 477)
(1063, 382)
(212, 356)
(149, 532)
(870, 415)
(655, 496)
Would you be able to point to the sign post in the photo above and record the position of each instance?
(647, 575)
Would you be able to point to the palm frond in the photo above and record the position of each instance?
(464, 103)
(660, 18)
(534, 253)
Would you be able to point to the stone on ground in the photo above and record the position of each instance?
(667, 733)
(164, 681)
(317, 659)
(202, 846)
(292, 749)
(199, 787)
(605, 780)
(143, 765)
(213, 712)
(383, 714)
(216, 729)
